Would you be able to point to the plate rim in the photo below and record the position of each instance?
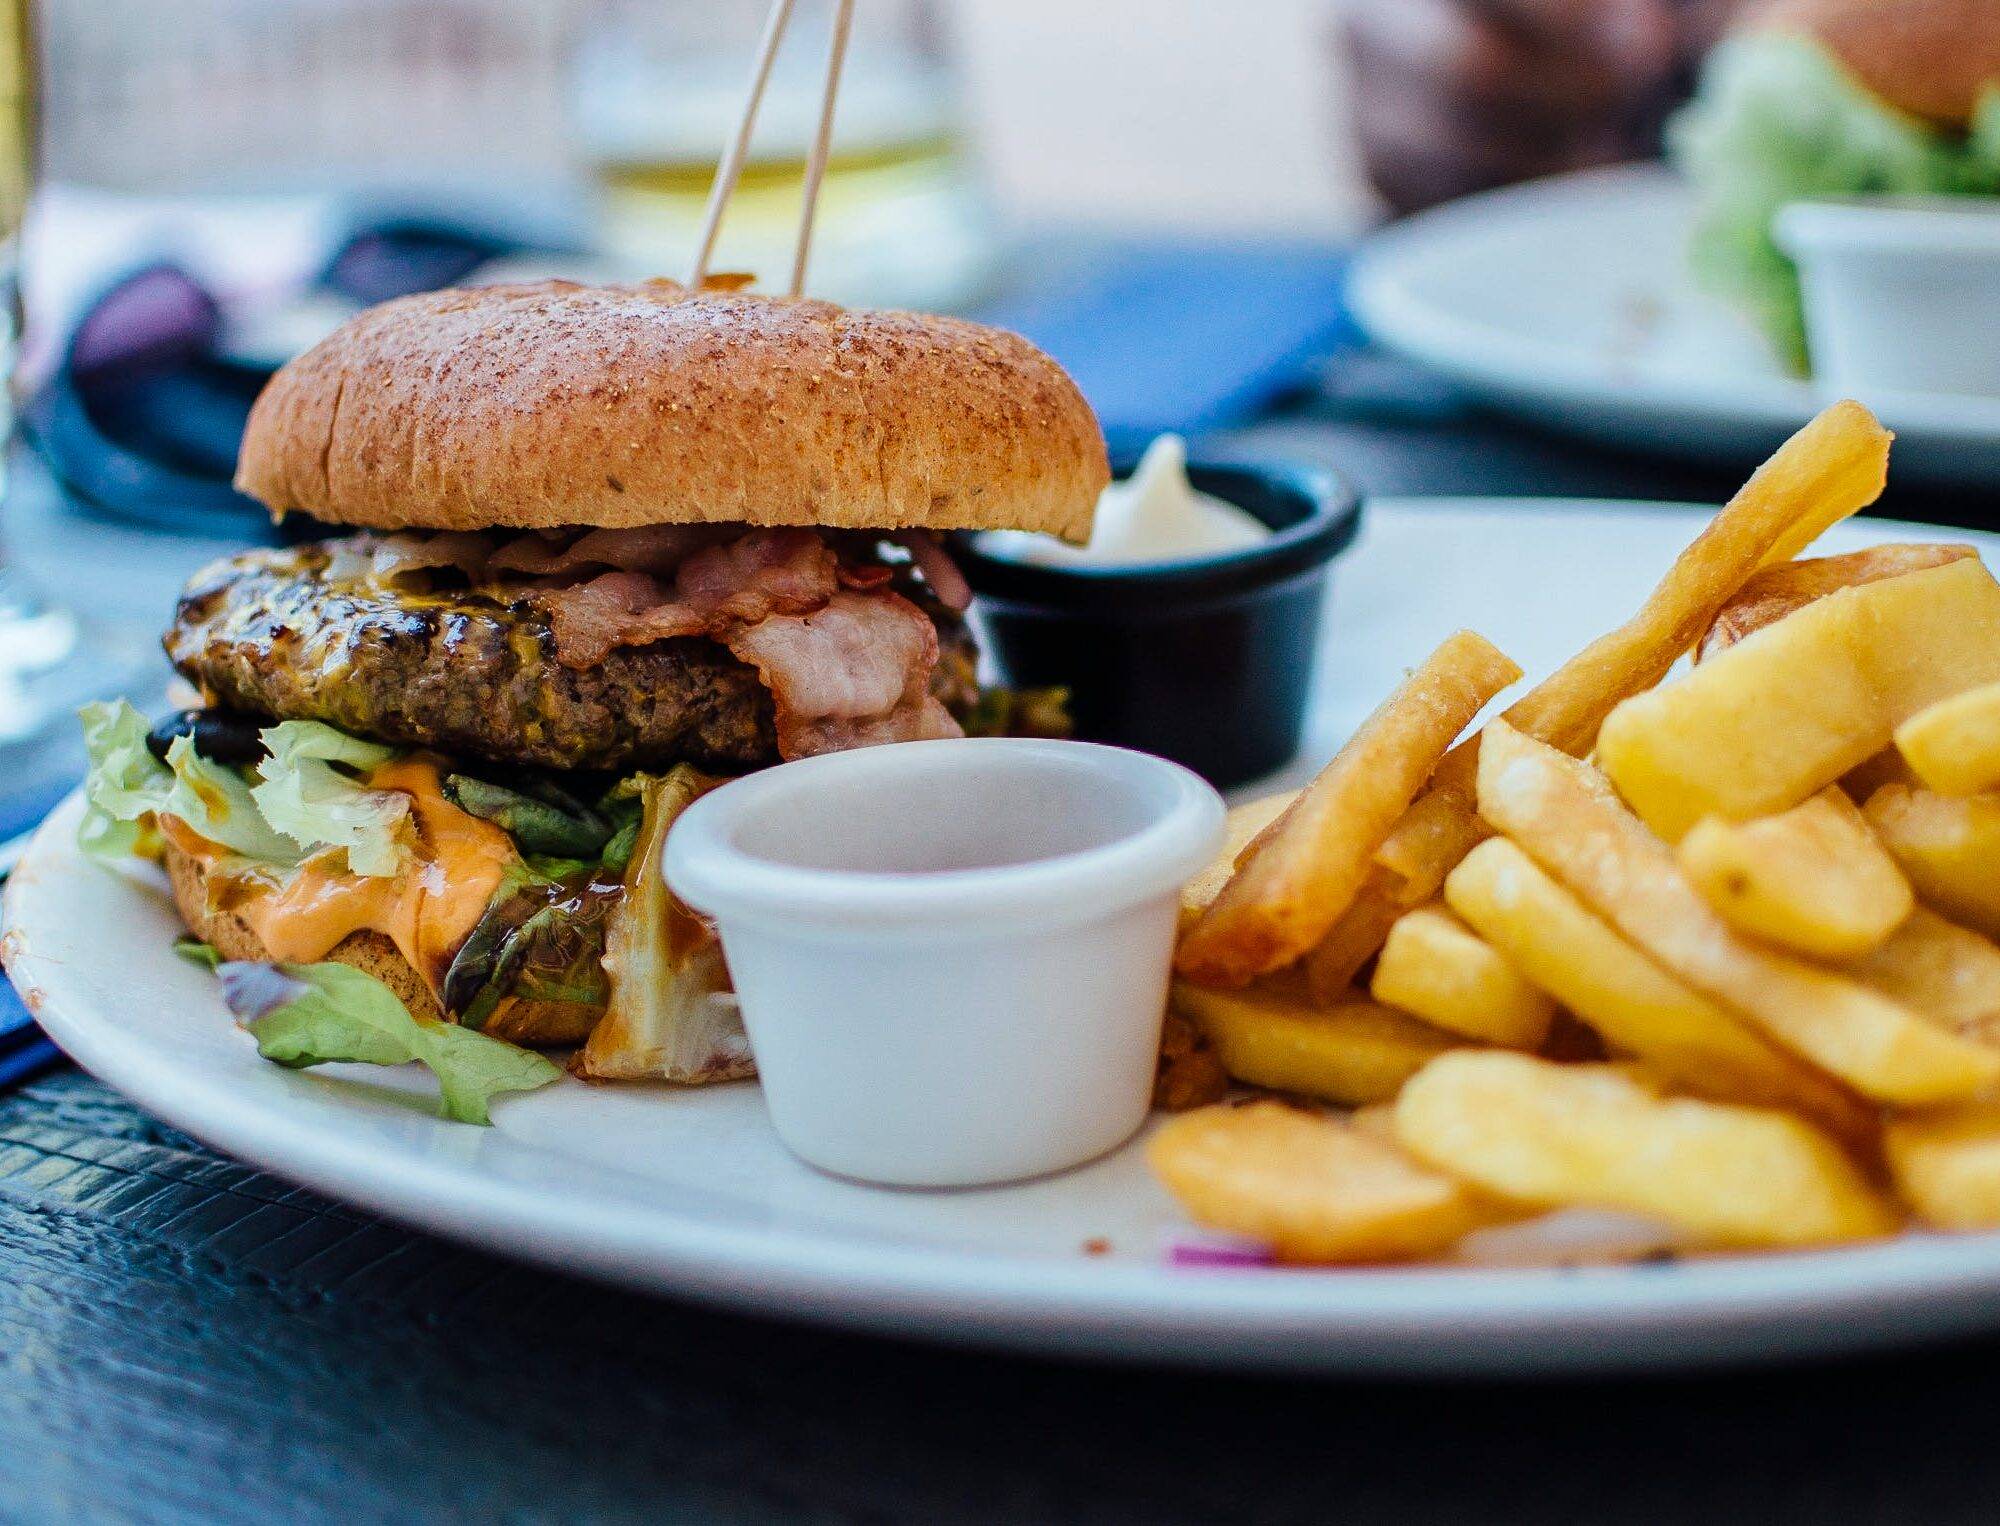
(1498, 362)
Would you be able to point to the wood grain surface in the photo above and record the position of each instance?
(185, 1339)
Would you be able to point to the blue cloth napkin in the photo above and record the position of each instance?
(1184, 338)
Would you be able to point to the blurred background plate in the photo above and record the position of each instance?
(1569, 302)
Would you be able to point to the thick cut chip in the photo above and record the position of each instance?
(1835, 466)
(1949, 973)
(1813, 879)
(1786, 712)
(1948, 845)
(1305, 871)
(1355, 939)
(1691, 1042)
(1354, 1053)
(1564, 814)
(1591, 1136)
(1781, 589)
(1946, 1165)
(1435, 967)
(1244, 825)
(1954, 745)
(1440, 827)
(1311, 1187)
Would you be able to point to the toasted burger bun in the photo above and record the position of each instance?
(522, 1022)
(1930, 59)
(551, 404)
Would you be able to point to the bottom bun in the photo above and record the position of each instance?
(540, 1023)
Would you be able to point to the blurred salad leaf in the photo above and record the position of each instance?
(1777, 120)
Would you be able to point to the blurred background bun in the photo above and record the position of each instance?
(1930, 59)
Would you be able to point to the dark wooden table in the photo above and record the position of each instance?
(183, 1338)
(186, 1339)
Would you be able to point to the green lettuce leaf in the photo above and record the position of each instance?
(125, 783)
(314, 1014)
(215, 799)
(315, 805)
(126, 786)
(194, 951)
(1777, 120)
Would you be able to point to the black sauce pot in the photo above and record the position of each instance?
(1206, 660)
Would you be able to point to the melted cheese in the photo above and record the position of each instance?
(426, 912)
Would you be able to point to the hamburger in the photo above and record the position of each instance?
(594, 549)
(1810, 99)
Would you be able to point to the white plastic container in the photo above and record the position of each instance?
(952, 956)
(1900, 295)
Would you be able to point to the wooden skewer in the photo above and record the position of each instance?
(843, 23)
(730, 170)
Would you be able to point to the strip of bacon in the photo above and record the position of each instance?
(756, 575)
(385, 558)
(591, 619)
(850, 675)
(939, 570)
(767, 572)
(656, 549)
(848, 661)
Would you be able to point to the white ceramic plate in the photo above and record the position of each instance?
(688, 1192)
(1568, 301)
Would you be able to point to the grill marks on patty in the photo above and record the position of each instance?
(471, 673)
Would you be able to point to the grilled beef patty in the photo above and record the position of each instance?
(473, 674)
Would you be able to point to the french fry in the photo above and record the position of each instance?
(1948, 845)
(1245, 823)
(1813, 879)
(1834, 467)
(1780, 589)
(1830, 470)
(1954, 745)
(1949, 973)
(1688, 1040)
(1440, 827)
(1353, 1054)
(1780, 716)
(1946, 1165)
(1592, 1136)
(1563, 813)
(1377, 1119)
(1312, 1187)
(1355, 939)
(1304, 873)
(1434, 967)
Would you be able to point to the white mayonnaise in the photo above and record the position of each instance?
(1154, 515)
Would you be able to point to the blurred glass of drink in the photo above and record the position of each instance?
(656, 90)
(35, 639)
(49, 663)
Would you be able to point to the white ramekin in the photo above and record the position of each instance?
(1901, 295)
(952, 956)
